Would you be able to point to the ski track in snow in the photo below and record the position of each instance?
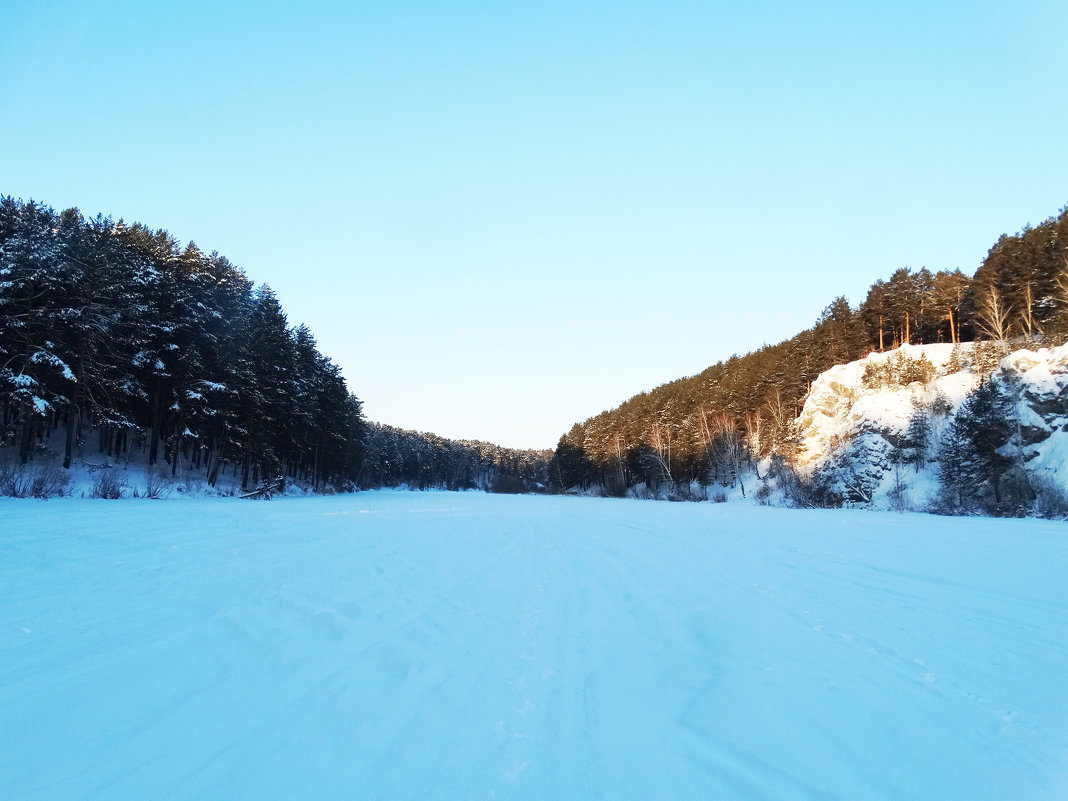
(395, 645)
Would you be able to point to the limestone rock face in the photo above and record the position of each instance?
(866, 428)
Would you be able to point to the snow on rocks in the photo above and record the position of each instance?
(861, 412)
(840, 406)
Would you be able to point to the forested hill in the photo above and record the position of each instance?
(396, 457)
(115, 338)
(120, 346)
(703, 427)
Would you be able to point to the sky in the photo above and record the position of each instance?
(501, 219)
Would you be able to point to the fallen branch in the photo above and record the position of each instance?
(267, 489)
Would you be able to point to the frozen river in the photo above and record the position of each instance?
(397, 645)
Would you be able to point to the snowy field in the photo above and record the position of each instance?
(397, 645)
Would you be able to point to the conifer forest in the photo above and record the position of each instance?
(705, 427)
(118, 340)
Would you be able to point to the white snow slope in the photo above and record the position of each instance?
(841, 415)
(399, 645)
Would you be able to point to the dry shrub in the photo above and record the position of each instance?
(1051, 500)
(19, 481)
(50, 482)
(107, 485)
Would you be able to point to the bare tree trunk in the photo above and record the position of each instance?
(73, 415)
(1062, 285)
(1027, 313)
(733, 447)
(661, 446)
(24, 433)
(706, 436)
(993, 317)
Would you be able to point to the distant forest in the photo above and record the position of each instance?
(116, 340)
(705, 428)
(421, 461)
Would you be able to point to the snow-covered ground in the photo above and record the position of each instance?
(397, 645)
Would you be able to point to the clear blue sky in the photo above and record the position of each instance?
(502, 218)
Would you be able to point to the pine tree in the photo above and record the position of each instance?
(840, 333)
(947, 295)
(984, 424)
(117, 328)
(957, 469)
(917, 438)
(33, 375)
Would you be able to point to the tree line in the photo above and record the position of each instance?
(116, 340)
(707, 427)
(114, 337)
(396, 457)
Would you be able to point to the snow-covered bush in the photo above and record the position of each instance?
(107, 485)
(901, 369)
(1051, 501)
(806, 491)
(941, 405)
(898, 497)
(986, 356)
(50, 482)
(155, 488)
(858, 473)
(14, 481)
(19, 481)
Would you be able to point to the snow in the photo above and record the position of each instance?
(839, 405)
(396, 645)
(43, 357)
(842, 416)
